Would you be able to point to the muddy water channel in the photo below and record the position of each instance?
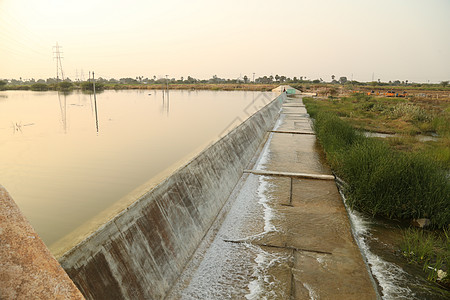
(70, 160)
(379, 241)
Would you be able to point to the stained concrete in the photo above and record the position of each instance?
(280, 237)
(27, 268)
(141, 252)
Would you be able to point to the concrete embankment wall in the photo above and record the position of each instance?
(141, 252)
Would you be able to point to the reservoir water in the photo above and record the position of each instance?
(69, 162)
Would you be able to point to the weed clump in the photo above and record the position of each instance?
(429, 249)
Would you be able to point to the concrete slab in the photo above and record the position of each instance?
(297, 110)
(295, 123)
(295, 153)
(283, 237)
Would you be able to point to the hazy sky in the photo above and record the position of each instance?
(392, 39)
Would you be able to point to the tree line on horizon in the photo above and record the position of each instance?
(53, 83)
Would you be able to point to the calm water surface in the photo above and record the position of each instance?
(63, 166)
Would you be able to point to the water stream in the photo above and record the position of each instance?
(378, 241)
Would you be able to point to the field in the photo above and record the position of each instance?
(411, 124)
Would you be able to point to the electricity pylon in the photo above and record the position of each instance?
(57, 55)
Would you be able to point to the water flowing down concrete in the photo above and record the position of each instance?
(281, 237)
(141, 252)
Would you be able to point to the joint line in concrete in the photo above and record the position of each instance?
(290, 193)
(280, 247)
(289, 174)
(293, 132)
(292, 291)
(293, 113)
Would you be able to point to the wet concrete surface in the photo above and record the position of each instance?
(280, 237)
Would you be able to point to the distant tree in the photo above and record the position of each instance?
(342, 80)
(333, 77)
(214, 79)
(277, 78)
(316, 81)
(444, 83)
(39, 87)
(282, 78)
(16, 82)
(128, 81)
(191, 79)
(2, 83)
(40, 81)
(245, 79)
(65, 86)
(89, 86)
(270, 78)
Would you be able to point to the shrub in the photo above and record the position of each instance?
(2, 84)
(65, 86)
(39, 87)
(89, 86)
(411, 112)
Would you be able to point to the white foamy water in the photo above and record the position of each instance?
(269, 213)
(389, 275)
(311, 292)
(266, 286)
(257, 287)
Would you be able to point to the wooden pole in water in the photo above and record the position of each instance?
(95, 101)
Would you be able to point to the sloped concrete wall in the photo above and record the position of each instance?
(140, 253)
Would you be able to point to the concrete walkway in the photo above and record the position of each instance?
(283, 234)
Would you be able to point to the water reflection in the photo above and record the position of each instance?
(96, 114)
(165, 102)
(63, 109)
(62, 172)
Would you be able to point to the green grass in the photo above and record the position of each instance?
(381, 181)
(403, 117)
(392, 115)
(393, 177)
(429, 249)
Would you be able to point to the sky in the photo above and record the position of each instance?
(359, 39)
